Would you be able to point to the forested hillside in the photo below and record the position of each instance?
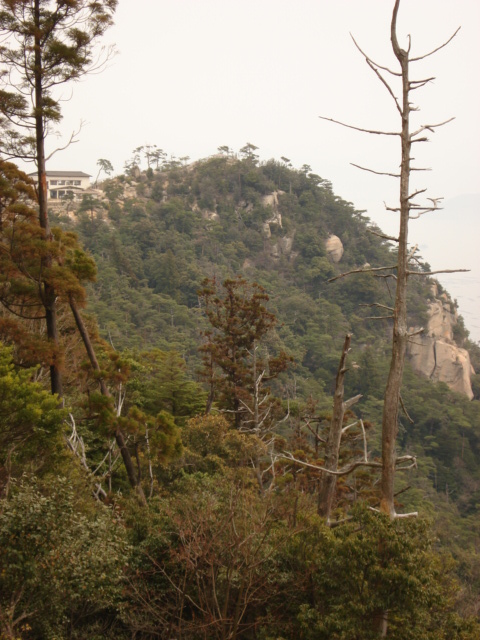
(158, 235)
(181, 253)
(199, 435)
(164, 240)
(202, 417)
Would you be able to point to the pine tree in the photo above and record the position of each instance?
(46, 43)
(233, 367)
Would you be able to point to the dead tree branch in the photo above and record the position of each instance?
(361, 270)
(379, 66)
(361, 129)
(328, 483)
(433, 273)
(415, 333)
(378, 317)
(418, 84)
(407, 415)
(428, 127)
(426, 55)
(382, 235)
(377, 173)
(378, 305)
(375, 68)
(341, 472)
(77, 446)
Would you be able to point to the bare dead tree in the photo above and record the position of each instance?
(405, 265)
(76, 444)
(330, 471)
(328, 482)
(120, 439)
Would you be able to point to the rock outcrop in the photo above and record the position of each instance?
(435, 353)
(334, 248)
(283, 246)
(271, 200)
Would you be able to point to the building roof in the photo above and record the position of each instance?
(64, 174)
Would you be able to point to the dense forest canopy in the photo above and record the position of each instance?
(155, 234)
(191, 398)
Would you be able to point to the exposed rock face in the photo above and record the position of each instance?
(442, 318)
(210, 215)
(129, 191)
(282, 246)
(334, 248)
(435, 353)
(205, 213)
(271, 200)
(266, 230)
(442, 362)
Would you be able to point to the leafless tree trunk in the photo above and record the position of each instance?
(119, 435)
(401, 336)
(328, 483)
(407, 210)
(400, 330)
(404, 266)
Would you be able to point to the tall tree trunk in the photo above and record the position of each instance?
(49, 297)
(400, 331)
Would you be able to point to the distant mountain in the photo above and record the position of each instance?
(157, 234)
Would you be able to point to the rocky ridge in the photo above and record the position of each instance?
(435, 354)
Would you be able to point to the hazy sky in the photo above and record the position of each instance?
(192, 75)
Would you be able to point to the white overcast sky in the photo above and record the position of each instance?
(191, 75)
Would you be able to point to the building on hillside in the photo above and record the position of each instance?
(60, 184)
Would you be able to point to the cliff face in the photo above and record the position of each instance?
(435, 353)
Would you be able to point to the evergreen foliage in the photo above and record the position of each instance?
(151, 265)
(60, 563)
(230, 544)
(169, 484)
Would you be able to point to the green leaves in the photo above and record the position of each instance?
(159, 382)
(60, 565)
(31, 423)
(372, 565)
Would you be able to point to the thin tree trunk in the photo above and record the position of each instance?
(400, 332)
(328, 482)
(49, 296)
(381, 623)
(119, 436)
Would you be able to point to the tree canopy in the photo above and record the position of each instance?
(211, 468)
